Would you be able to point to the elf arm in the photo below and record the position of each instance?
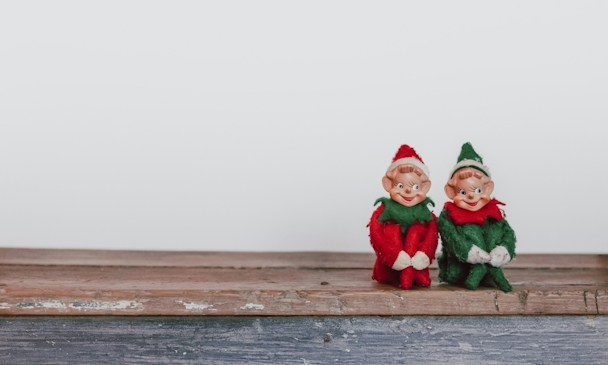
(505, 246)
(431, 239)
(508, 238)
(465, 245)
(425, 245)
(386, 242)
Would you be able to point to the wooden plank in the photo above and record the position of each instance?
(559, 261)
(94, 290)
(208, 259)
(304, 340)
(338, 260)
(601, 300)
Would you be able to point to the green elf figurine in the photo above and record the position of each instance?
(477, 240)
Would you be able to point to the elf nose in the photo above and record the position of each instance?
(408, 190)
(470, 195)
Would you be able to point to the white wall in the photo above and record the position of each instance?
(268, 125)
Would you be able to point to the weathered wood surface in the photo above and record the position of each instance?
(304, 340)
(294, 284)
(206, 259)
(225, 259)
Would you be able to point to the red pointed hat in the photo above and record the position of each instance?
(406, 155)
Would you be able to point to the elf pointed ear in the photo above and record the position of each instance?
(426, 186)
(450, 188)
(387, 180)
(488, 185)
(387, 183)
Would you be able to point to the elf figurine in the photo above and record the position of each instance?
(403, 231)
(477, 240)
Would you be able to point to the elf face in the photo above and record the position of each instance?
(469, 189)
(407, 185)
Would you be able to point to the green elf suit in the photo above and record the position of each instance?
(460, 229)
(464, 234)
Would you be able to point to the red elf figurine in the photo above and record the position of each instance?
(403, 231)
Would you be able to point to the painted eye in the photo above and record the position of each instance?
(462, 192)
(415, 187)
(400, 185)
(477, 191)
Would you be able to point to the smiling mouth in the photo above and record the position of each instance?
(472, 204)
(407, 199)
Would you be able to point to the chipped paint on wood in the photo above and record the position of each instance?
(45, 304)
(99, 305)
(77, 305)
(191, 306)
(49, 304)
(251, 306)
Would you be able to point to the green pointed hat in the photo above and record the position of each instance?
(469, 158)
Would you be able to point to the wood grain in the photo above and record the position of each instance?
(207, 259)
(298, 284)
(304, 340)
(224, 259)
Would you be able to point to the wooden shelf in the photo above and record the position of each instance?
(133, 283)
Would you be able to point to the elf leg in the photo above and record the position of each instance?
(422, 277)
(477, 272)
(442, 262)
(407, 276)
(499, 278)
(384, 274)
(488, 281)
(453, 271)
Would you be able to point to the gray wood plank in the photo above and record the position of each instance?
(304, 340)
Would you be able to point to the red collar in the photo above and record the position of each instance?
(463, 216)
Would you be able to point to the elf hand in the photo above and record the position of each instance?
(478, 256)
(500, 256)
(403, 260)
(420, 261)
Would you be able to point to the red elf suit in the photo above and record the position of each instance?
(395, 228)
(402, 235)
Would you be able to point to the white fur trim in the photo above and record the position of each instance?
(477, 256)
(420, 261)
(500, 256)
(466, 163)
(403, 261)
(410, 161)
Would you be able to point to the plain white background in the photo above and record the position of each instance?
(267, 125)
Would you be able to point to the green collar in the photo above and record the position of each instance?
(405, 216)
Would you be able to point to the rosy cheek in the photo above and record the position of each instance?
(484, 197)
